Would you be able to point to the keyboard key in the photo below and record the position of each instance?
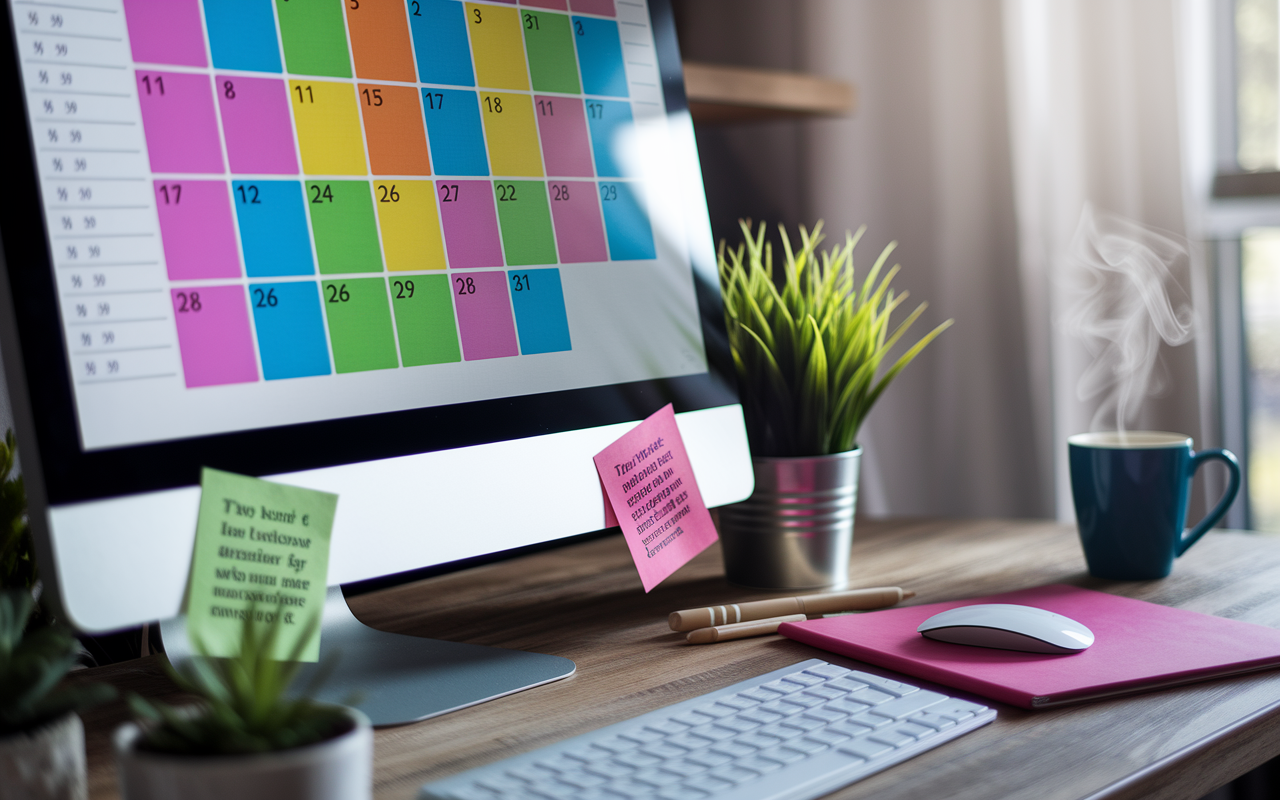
(637, 759)
(871, 696)
(758, 740)
(714, 758)
(629, 788)
(784, 755)
(827, 671)
(582, 779)
(957, 709)
(708, 783)
(780, 731)
(759, 694)
(735, 774)
(804, 678)
(935, 721)
(740, 724)
(642, 735)
(847, 706)
(616, 744)
(588, 753)
(740, 701)
(689, 741)
(848, 683)
(825, 715)
(760, 715)
(886, 685)
(668, 727)
(783, 686)
(804, 699)
(807, 745)
(761, 765)
(850, 728)
(734, 749)
(657, 777)
(681, 793)
(783, 707)
(804, 722)
(825, 693)
(870, 720)
(910, 704)
(596, 793)
(664, 750)
(560, 763)
(685, 767)
(827, 737)
(713, 732)
(865, 748)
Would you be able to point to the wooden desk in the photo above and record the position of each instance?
(586, 603)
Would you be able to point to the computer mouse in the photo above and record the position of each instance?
(1008, 627)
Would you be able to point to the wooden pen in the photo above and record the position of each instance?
(692, 619)
(742, 630)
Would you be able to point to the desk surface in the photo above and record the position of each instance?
(585, 602)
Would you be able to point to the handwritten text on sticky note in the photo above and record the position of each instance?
(262, 546)
(650, 486)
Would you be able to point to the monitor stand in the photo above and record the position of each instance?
(399, 679)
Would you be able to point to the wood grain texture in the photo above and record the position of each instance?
(720, 93)
(585, 603)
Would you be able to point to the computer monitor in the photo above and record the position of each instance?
(429, 255)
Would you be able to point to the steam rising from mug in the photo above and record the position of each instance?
(1124, 311)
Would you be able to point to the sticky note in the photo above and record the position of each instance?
(650, 486)
(262, 546)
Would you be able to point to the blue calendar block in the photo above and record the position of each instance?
(609, 122)
(626, 222)
(242, 34)
(455, 133)
(600, 56)
(273, 228)
(538, 301)
(291, 339)
(440, 42)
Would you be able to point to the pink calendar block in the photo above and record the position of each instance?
(485, 323)
(558, 5)
(575, 210)
(213, 335)
(196, 230)
(562, 125)
(602, 8)
(470, 223)
(255, 121)
(165, 32)
(178, 118)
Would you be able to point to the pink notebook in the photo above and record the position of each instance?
(1139, 646)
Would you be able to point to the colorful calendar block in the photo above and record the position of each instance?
(470, 223)
(213, 335)
(497, 47)
(440, 43)
(610, 123)
(455, 131)
(556, 5)
(626, 221)
(380, 40)
(196, 230)
(179, 122)
(484, 315)
(603, 8)
(511, 133)
(562, 126)
(525, 221)
(393, 129)
(242, 35)
(575, 208)
(165, 32)
(343, 226)
(424, 320)
(410, 229)
(328, 124)
(256, 125)
(538, 301)
(291, 340)
(600, 56)
(359, 324)
(549, 43)
(314, 37)
(273, 228)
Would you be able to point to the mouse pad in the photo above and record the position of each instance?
(1140, 646)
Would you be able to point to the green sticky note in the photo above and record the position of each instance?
(264, 547)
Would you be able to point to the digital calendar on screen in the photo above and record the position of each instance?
(264, 212)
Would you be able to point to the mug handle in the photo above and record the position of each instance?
(1233, 466)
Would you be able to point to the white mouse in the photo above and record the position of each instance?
(1008, 627)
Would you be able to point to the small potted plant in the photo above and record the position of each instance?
(807, 346)
(41, 737)
(247, 738)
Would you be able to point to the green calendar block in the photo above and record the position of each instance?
(549, 43)
(359, 324)
(342, 223)
(314, 35)
(424, 320)
(525, 219)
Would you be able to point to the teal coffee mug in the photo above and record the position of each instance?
(1131, 492)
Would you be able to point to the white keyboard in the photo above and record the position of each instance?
(793, 734)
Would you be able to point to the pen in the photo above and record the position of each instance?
(741, 630)
(827, 603)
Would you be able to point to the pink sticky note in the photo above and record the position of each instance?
(651, 488)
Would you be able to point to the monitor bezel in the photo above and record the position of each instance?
(70, 474)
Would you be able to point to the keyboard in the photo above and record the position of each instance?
(792, 734)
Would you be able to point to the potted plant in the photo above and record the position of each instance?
(41, 737)
(807, 346)
(17, 558)
(247, 737)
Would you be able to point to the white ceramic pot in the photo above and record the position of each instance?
(44, 764)
(335, 769)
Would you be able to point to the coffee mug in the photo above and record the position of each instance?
(1131, 491)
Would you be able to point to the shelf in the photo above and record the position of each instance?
(722, 94)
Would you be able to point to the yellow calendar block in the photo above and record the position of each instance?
(410, 225)
(328, 121)
(512, 134)
(497, 47)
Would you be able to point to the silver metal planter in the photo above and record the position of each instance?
(795, 530)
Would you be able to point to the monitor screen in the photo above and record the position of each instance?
(283, 236)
